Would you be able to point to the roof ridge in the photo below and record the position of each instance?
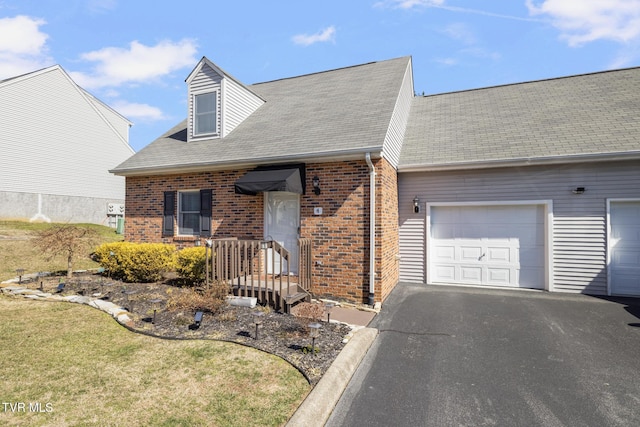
(331, 70)
(528, 82)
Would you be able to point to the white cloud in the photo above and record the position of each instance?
(132, 110)
(440, 4)
(101, 6)
(582, 21)
(136, 64)
(461, 32)
(22, 46)
(326, 35)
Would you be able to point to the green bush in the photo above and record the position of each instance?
(136, 262)
(190, 264)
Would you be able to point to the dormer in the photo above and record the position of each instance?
(218, 103)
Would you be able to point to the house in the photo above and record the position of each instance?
(58, 143)
(531, 185)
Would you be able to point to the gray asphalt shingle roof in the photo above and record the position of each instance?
(323, 114)
(585, 115)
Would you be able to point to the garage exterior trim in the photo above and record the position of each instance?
(547, 233)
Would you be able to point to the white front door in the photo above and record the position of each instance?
(282, 224)
(487, 245)
(624, 244)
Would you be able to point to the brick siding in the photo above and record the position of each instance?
(340, 235)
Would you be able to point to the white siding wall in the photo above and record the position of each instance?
(579, 225)
(398, 125)
(238, 104)
(53, 141)
(206, 80)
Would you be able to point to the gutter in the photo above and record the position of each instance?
(372, 229)
(338, 155)
(526, 161)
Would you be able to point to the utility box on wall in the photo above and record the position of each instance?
(115, 216)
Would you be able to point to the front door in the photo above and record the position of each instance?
(282, 224)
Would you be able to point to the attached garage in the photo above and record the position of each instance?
(487, 244)
(624, 247)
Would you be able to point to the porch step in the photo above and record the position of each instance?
(291, 299)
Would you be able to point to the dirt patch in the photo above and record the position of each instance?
(280, 334)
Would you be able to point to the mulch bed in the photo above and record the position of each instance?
(283, 335)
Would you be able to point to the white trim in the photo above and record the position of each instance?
(547, 204)
(608, 237)
(216, 133)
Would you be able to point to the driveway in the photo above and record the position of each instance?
(454, 356)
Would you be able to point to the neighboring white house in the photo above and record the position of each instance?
(57, 143)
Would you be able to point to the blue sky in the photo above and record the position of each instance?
(135, 54)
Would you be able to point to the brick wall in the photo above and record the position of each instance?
(340, 235)
(387, 244)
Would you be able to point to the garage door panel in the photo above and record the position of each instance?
(445, 273)
(625, 248)
(499, 276)
(491, 245)
(470, 253)
(499, 254)
(470, 274)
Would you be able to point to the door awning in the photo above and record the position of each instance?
(283, 179)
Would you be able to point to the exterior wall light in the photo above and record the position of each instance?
(314, 333)
(578, 190)
(316, 185)
(257, 320)
(416, 205)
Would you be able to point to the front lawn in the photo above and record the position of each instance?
(63, 364)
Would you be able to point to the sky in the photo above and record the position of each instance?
(135, 55)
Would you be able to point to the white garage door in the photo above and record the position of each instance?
(487, 245)
(624, 245)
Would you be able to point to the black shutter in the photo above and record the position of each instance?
(205, 212)
(169, 212)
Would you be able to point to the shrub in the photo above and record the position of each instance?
(190, 264)
(136, 262)
(210, 299)
(307, 313)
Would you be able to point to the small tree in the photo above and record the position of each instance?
(67, 240)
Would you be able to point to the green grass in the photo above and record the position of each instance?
(89, 370)
(18, 251)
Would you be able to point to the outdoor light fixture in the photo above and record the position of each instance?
(316, 185)
(314, 332)
(19, 272)
(328, 307)
(578, 190)
(416, 205)
(257, 320)
(155, 303)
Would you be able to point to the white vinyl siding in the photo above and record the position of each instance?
(399, 118)
(239, 103)
(54, 140)
(579, 220)
(206, 81)
(234, 102)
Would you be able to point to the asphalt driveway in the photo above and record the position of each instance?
(454, 356)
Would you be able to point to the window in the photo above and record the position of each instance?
(193, 214)
(204, 113)
(189, 213)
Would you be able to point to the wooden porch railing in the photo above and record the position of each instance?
(261, 269)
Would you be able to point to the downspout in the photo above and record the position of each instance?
(372, 230)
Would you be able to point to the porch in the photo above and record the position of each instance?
(262, 269)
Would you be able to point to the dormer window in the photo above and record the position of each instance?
(205, 113)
